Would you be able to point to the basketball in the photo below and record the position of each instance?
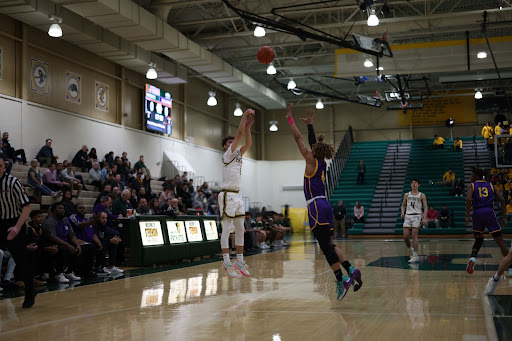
(266, 55)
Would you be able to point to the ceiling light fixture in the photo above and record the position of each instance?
(259, 32)
(373, 20)
(55, 31)
(238, 111)
(481, 55)
(273, 126)
(271, 69)
(478, 94)
(319, 104)
(212, 101)
(368, 62)
(151, 74)
(380, 68)
(291, 85)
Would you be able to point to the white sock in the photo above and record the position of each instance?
(496, 277)
(240, 257)
(226, 258)
(414, 253)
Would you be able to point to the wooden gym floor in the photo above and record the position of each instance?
(290, 296)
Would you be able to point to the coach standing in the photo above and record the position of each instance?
(14, 211)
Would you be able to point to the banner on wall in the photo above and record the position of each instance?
(73, 87)
(1, 62)
(39, 75)
(102, 96)
(436, 110)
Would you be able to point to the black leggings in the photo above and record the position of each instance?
(323, 236)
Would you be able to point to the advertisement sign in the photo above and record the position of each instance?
(176, 231)
(194, 231)
(210, 227)
(151, 233)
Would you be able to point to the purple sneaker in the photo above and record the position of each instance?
(342, 287)
(356, 276)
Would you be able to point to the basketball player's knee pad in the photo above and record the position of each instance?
(478, 243)
(329, 253)
(496, 234)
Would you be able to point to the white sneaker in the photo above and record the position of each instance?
(230, 270)
(276, 243)
(61, 279)
(72, 277)
(115, 269)
(242, 267)
(45, 276)
(414, 259)
(264, 246)
(491, 285)
(411, 251)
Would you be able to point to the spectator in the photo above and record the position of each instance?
(432, 217)
(64, 164)
(167, 194)
(144, 194)
(119, 183)
(199, 201)
(50, 179)
(187, 197)
(124, 157)
(458, 188)
(140, 181)
(11, 152)
(358, 213)
(143, 207)
(449, 178)
(438, 142)
(87, 239)
(104, 171)
(257, 224)
(457, 144)
(105, 192)
(82, 160)
(361, 171)
(445, 216)
(180, 204)
(69, 206)
(93, 156)
(124, 170)
(45, 155)
(56, 231)
(40, 257)
(499, 187)
(95, 178)
(213, 203)
(141, 165)
(205, 189)
(339, 220)
(122, 204)
(507, 189)
(69, 176)
(497, 129)
(34, 180)
(154, 207)
(487, 132)
(11, 265)
(184, 177)
(509, 211)
(115, 192)
(110, 241)
(104, 206)
(134, 199)
(109, 158)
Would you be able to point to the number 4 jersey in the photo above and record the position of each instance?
(414, 204)
(483, 194)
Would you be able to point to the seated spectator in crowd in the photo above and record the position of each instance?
(213, 203)
(50, 179)
(187, 197)
(82, 159)
(124, 157)
(40, 255)
(122, 203)
(279, 229)
(184, 177)
(499, 187)
(358, 213)
(154, 206)
(169, 183)
(438, 142)
(56, 231)
(432, 217)
(12, 153)
(8, 163)
(111, 242)
(119, 183)
(256, 224)
(124, 171)
(105, 170)
(93, 156)
(114, 171)
(172, 205)
(64, 164)
(67, 202)
(45, 155)
(205, 188)
(141, 165)
(115, 192)
(69, 176)
(445, 216)
(134, 199)
(109, 158)
(139, 182)
(449, 178)
(104, 206)
(11, 265)
(34, 180)
(87, 238)
(165, 195)
(457, 144)
(507, 189)
(95, 177)
(181, 207)
(144, 194)
(199, 201)
(250, 233)
(143, 207)
(166, 206)
(509, 211)
(105, 192)
(458, 188)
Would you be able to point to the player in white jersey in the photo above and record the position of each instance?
(413, 217)
(230, 201)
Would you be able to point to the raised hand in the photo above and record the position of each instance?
(250, 121)
(310, 114)
(290, 109)
(249, 112)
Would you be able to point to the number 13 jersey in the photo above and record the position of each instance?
(483, 194)
(414, 204)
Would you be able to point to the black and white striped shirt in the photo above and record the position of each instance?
(12, 197)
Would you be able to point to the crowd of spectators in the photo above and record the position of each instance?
(264, 230)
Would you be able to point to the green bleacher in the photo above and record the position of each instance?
(372, 154)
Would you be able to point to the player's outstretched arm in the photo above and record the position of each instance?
(425, 207)
(309, 121)
(503, 206)
(469, 201)
(248, 137)
(297, 135)
(404, 204)
(241, 129)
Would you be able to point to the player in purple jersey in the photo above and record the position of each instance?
(480, 195)
(319, 209)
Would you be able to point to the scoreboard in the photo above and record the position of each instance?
(158, 110)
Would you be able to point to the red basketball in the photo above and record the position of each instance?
(266, 55)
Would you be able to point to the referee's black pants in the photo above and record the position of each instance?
(18, 249)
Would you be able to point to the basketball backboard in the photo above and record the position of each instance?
(373, 44)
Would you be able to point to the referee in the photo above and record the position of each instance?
(14, 211)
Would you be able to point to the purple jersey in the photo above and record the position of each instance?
(483, 194)
(314, 185)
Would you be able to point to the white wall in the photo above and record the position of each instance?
(30, 124)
